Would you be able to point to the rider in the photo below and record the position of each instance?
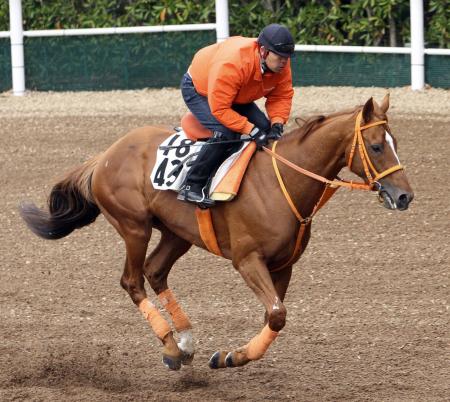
(220, 87)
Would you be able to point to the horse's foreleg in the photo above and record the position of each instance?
(281, 281)
(256, 275)
(156, 269)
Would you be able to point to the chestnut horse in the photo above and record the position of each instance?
(257, 231)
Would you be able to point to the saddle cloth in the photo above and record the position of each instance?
(173, 163)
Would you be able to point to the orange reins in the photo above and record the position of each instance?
(367, 163)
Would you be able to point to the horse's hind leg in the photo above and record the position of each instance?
(156, 268)
(136, 231)
(257, 276)
(132, 281)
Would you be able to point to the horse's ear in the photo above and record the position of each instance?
(385, 103)
(368, 110)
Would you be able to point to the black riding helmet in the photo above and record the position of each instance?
(278, 39)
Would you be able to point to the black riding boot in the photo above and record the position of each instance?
(207, 162)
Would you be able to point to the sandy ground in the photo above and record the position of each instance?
(168, 102)
(368, 305)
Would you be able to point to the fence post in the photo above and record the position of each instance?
(222, 24)
(17, 58)
(417, 45)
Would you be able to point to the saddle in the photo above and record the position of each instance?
(176, 153)
(193, 129)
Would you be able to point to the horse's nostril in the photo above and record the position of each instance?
(403, 201)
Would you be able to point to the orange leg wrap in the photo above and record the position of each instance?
(260, 343)
(179, 318)
(159, 325)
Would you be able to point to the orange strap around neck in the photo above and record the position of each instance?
(333, 183)
(282, 185)
(326, 195)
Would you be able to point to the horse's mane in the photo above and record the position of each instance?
(313, 122)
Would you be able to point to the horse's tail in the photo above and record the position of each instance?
(70, 205)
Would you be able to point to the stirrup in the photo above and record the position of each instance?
(200, 199)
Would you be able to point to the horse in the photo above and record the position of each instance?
(258, 231)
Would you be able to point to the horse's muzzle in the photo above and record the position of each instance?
(393, 198)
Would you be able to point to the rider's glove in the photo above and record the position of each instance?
(259, 136)
(276, 131)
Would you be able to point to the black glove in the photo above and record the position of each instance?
(276, 131)
(259, 136)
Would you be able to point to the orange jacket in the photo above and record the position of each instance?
(230, 72)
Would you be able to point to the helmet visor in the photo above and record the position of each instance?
(284, 49)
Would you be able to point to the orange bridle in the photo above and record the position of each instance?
(372, 174)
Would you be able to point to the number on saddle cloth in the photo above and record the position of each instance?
(171, 164)
(173, 161)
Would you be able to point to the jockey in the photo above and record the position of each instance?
(220, 87)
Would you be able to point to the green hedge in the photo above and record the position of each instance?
(337, 22)
(134, 61)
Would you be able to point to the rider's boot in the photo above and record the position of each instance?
(210, 157)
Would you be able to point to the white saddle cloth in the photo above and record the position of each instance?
(168, 174)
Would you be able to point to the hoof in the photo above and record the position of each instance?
(186, 347)
(217, 360)
(229, 360)
(172, 363)
(186, 358)
(237, 358)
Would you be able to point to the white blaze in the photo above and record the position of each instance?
(390, 141)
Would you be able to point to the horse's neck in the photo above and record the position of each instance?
(321, 152)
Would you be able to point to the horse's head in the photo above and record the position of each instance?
(372, 155)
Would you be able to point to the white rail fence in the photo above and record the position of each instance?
(16, 34)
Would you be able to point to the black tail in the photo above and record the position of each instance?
(70, 205)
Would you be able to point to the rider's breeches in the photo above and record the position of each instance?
(199, 106)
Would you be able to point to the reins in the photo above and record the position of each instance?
(330, 185)
(367, 163)
(334, 183)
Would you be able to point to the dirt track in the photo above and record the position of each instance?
(368, 305)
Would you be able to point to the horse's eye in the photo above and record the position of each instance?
(377, 148)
